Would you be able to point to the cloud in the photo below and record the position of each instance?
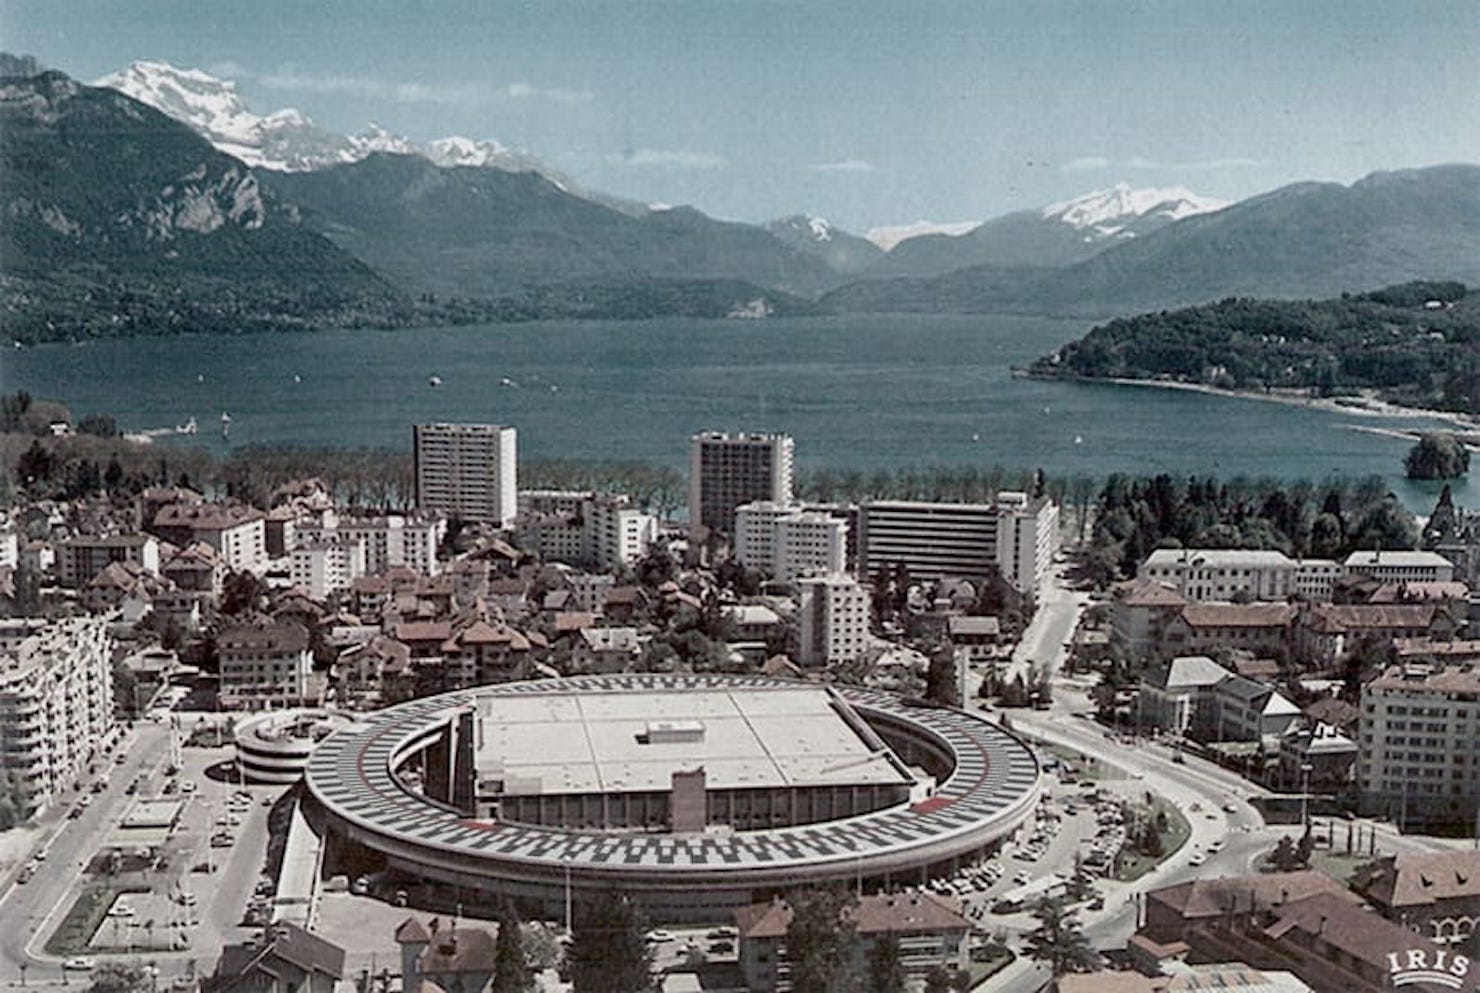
(1096, 163)
(846, 165)
(462, 95)
(665, 159)
(528, 91)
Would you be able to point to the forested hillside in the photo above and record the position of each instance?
(1416, 344)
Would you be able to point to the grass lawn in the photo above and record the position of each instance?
(982, 971)
(85, 916)
(1134, 865)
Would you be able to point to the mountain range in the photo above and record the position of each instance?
(161, 201)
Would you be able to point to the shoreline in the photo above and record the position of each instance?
(1357, 405)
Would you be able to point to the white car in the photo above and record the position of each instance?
(1198, 858)
(660, 935)
(79, 963)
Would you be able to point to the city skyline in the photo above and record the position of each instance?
(858, 114)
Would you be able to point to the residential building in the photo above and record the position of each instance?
(931, 540)
(56, 705)
(1224, 977)
(1196, 696)
(264, 665)
(235, 531)
(598, 531)
(787, 542)
(1260, 628)
(606, 649)
(975, 637)
(10, 546)
(1027, 539)
(1328, 632)
(1319, 758)
(390, 540)
(930, 929)
(1436, 894)
(81, 558)
(1301, 922)
(1420, 745)
(444, 958)
(320, 568)
(834, 615)
(1400, 567)
(727, 470)
(1140, 611)
(1015, 536)
(286, 959)
(466, 471)
(196, 568)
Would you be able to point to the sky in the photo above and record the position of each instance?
(866, 113)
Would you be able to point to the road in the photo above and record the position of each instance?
(39, 905)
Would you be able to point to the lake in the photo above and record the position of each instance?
(860, 392)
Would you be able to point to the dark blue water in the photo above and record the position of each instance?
(856, 392)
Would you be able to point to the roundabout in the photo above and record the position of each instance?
(421, 785)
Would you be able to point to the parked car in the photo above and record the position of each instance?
(80, 963)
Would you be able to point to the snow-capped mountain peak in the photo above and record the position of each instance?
(288, 140)
(460, 151)
(1113, 212)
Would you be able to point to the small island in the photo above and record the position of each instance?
(1437, 455)
(1414, 345)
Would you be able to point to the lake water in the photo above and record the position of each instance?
(856, 392)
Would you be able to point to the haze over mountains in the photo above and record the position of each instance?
(207, 208)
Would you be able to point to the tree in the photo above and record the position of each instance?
(820, 939)
(608, 950)
(1058, 939)
(1437, 455)
(511, 972)
(886, 965)
(941, 683)
(1285, 857)
(116, 977)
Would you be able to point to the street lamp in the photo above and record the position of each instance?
(1305, 794)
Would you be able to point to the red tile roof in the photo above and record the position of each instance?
(906, 912)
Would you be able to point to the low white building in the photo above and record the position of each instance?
(1224, 574)
(1400, 567)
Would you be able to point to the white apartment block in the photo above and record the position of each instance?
(10, 547)
(787, 542)
(600, 531)
(466, 470)
(1017, 535)
(1027, 539)
(81, 558)
(1401, 567)
(264, 665)
(324, 567)
(391, 540)
(56, 706)
(727, 470)
(1221, 574)
(834, 615)
(1419, 758)
(237, 532)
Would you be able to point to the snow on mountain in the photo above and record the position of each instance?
(1116, 211)
(287, 140)
(887, 237)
